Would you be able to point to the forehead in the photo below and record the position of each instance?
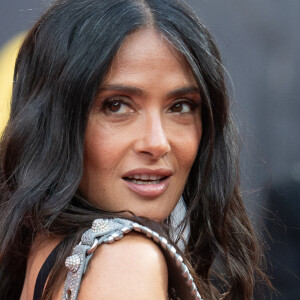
(147, 52)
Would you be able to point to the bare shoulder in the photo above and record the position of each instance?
(132, 268)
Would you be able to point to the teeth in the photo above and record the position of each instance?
(145, 182)
(145, 177)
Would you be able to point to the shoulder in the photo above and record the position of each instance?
(41, 248)
(133, 268)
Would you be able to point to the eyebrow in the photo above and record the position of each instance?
(122, 88)
(183, 91)
(139, 92)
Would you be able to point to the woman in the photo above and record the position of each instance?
(119, 108)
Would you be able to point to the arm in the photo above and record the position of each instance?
(132, 268)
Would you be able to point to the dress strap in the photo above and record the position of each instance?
(44, 273)
(111, 230)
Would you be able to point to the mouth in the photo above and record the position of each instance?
(145, 179)
(148, 183)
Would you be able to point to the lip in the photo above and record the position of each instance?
(160, 172)
(149, 190)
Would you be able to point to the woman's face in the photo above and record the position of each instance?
(143, 130)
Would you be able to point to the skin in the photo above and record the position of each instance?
(132, 268)
(39, 252)
(145, 277)
(152, 128)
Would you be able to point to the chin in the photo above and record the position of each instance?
(159, 218)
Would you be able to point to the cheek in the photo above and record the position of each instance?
(99, 154)
(189, 153)
(187, 143)
(100, 147)
(96, 153)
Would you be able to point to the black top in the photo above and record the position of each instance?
(44, 273)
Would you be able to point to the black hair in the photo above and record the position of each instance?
(58, 71)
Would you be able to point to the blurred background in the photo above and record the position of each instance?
(260, 45)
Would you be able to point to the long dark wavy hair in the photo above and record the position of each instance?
(58, 71)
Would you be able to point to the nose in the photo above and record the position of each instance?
(152, 139)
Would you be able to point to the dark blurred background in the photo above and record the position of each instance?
(260, 45)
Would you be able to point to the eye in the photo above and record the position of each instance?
(182, 107)
(116, 106)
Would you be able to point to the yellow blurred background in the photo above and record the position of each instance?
(8, 56)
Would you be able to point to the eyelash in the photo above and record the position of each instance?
(193, 105)
(118, 99)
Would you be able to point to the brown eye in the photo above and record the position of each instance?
(114, 106)
(181, 107)
(177, 107)
(117, 106)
